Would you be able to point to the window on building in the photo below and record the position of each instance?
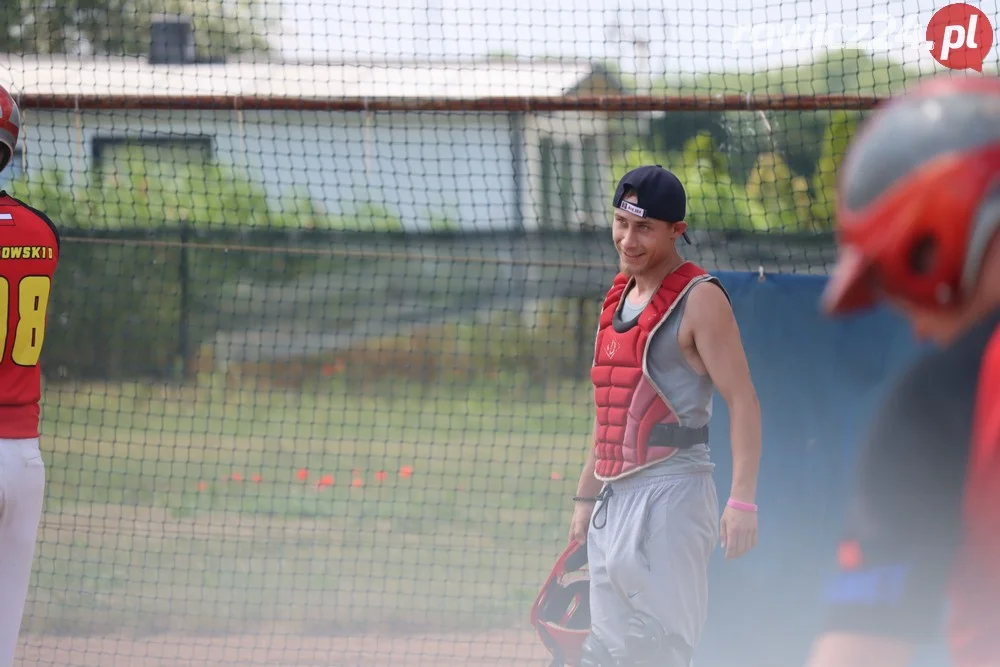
(127, 161)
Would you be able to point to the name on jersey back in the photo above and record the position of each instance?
(26, 252)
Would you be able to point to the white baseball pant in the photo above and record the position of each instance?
(22, 490)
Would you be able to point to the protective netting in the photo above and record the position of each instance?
(317, 363)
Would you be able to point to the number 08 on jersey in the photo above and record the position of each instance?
(29, 253)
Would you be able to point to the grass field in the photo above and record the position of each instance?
(146, 530)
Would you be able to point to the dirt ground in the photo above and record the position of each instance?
(494, 649)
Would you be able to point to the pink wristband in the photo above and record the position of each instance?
(738, 505)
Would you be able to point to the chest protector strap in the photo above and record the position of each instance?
(636, 425)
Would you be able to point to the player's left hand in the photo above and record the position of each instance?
(737, 531)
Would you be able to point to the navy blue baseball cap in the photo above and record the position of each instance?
(660, 194)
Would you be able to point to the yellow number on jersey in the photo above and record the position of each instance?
(32, 304)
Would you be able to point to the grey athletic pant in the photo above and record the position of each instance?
(648, 548)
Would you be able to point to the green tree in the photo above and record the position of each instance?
(794, 134)
(701, 152)
(714, 200)
(839, 132)
(132, 330)
(121, 27)
(773, 186)
(671, 130)
(802, 202)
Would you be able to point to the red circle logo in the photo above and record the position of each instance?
(962, 37)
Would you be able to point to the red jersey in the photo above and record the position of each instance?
(975, 588)
(29, 252)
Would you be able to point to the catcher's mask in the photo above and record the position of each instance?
(561, 613)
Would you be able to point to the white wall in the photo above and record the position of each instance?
(459, 165)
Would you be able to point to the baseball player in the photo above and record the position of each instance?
(646, 504)
(29, 252)
(918, 223)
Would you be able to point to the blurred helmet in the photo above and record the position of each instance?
(918, 197)
(10, 127)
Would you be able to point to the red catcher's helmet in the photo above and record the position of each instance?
(561, 613)
(918, 197)
(10, 127)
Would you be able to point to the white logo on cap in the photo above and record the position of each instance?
(633, 209)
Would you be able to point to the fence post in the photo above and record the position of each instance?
(583, 348)
(184, 276)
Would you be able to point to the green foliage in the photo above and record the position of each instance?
(121, 27)
(669, 131)
(787, 161)
(843, 125)
(137, 324)
(752, 171)
(149, 195)
(772, 198)
(831, 72)
(772, 186)
(764, 171)
(370, 217)
(715, 200)
(111, 315)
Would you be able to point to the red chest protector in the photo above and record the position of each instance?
(975, 587)
(636, 425)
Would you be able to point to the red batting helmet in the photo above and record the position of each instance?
(561, 613)
(10, 127)
(918, 197)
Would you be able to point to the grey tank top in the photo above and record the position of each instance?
(689, 393)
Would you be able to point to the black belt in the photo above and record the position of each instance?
(680, 437)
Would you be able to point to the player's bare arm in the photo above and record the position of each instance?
(586, 490)
(712, 344)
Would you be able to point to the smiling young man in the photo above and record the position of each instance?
(646, 505)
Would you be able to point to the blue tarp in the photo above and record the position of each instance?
(818, 381)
